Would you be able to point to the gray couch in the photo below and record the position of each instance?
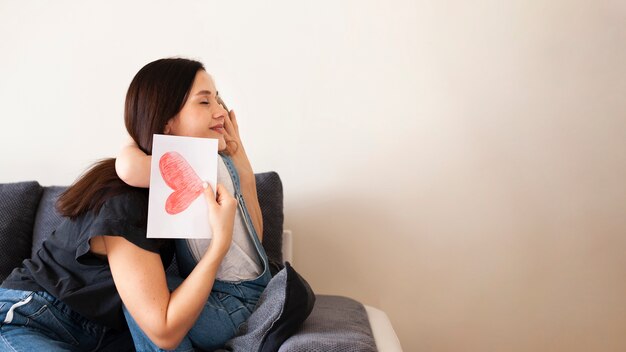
(28, 215)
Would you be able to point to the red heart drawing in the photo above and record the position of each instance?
(180, 176)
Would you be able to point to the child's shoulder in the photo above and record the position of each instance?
(127, 203)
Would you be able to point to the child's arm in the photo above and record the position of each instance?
(133, 165)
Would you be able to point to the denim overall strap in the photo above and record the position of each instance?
(234, 175)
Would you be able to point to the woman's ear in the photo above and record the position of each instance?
(168, 127)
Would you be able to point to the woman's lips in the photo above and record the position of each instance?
(219, 129)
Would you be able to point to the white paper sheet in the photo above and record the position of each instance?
(181, 163)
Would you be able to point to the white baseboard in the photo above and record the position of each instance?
(287, 246)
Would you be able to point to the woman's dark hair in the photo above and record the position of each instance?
(156, 94)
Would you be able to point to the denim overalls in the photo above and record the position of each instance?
(37, 321)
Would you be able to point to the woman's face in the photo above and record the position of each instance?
(201, 116)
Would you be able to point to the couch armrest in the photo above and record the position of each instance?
(384, 334)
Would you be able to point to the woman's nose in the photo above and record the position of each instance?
(219, 112)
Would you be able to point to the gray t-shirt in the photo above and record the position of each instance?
(242, 261)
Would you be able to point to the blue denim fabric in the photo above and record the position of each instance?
(229, 304)
(37, 321)
(224, 312)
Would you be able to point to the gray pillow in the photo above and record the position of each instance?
(282, 308)
(18, 205)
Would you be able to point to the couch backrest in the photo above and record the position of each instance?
(18, 207)
(47, 218)
(28, 216)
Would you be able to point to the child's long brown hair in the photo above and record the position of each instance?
(156, 94)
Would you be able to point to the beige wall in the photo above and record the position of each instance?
(460, 166)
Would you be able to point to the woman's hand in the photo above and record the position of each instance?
(238, 153)
(222, 209)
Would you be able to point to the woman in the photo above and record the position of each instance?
(98, 273)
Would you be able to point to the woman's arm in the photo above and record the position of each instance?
(139, 277)
(133, 165)
(248, 190)
(246, 175)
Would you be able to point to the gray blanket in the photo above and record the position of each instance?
(337, 324)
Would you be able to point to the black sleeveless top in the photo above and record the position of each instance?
(65, 268)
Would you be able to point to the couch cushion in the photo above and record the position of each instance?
(17, 216)
(47, 218)
(285, 303)
(337, 324)
(270, 192)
